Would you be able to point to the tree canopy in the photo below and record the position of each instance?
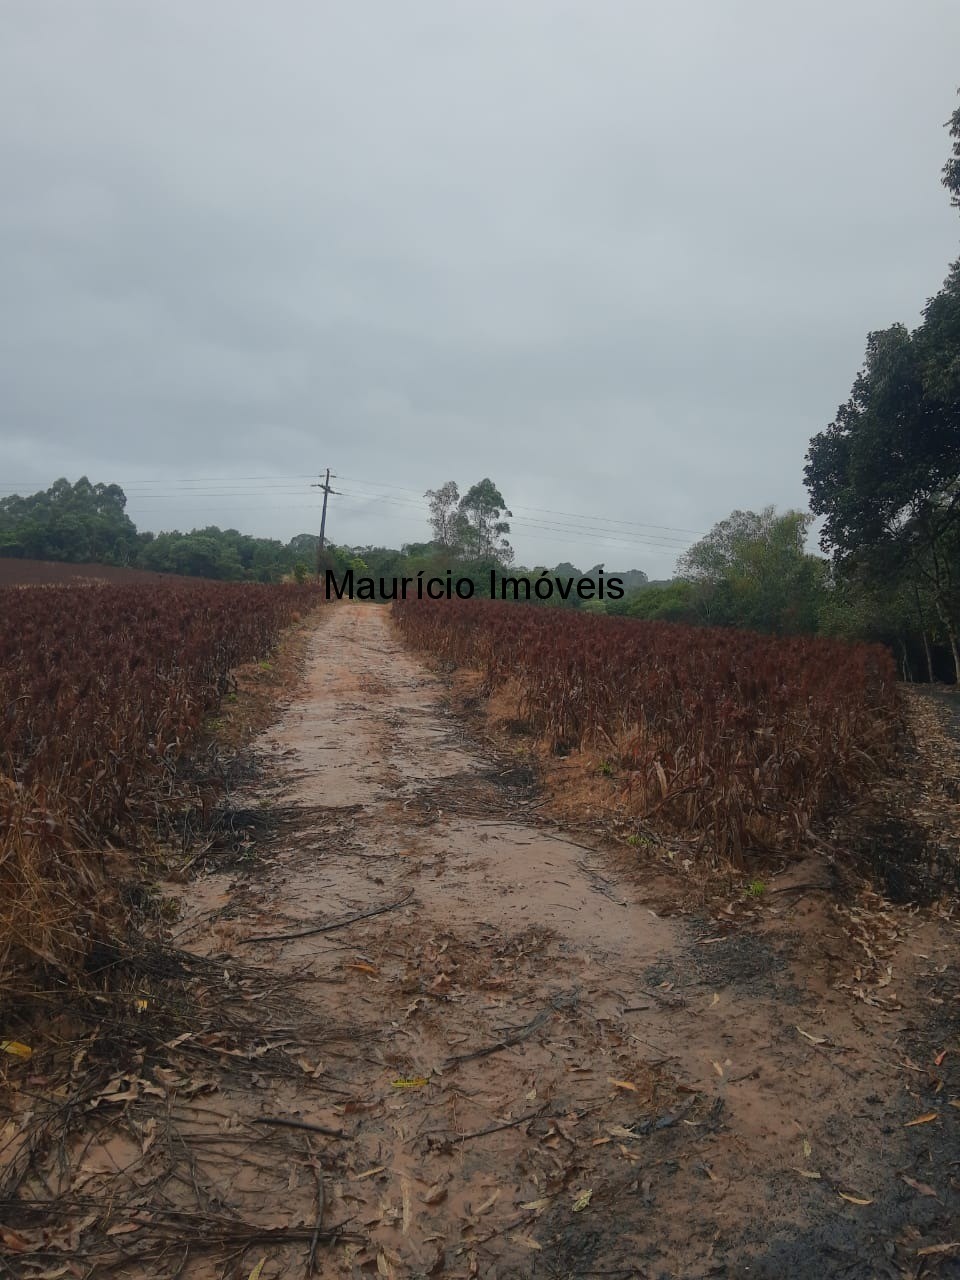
(753, 570)
(75, 522)
(885, 473)
(471, 527)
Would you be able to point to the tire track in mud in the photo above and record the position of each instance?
(534, 1073)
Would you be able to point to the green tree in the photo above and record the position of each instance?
(951, 170)
(444, 504)
(886, 472)
(752, 570)
(75, 522)
(481, 523)
(895, 612)
(675, 601)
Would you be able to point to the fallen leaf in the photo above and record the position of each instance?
(383, 1266)
(123, 1228)
(149, 1134)
(536, 1206)
(14, 1241)
(434, 1194)
(717, 1068)
(938, 1248)
(922, 1188)
(527, 1242)
(853, 1199)
(582, 1201)
(363, 968)
(129, 1094)
(620, 1131)
(622, 1084)
(807, 1173)
(925, 1119)
(415, 1082)
(807, 1149)
(716, 1000)
(940, 1057)
(368, 1173)
(16, 1049)
(487, 1204)
(257, 1270)
(407, 1201)
(812, 1038)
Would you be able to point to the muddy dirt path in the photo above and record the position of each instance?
(519, 1067)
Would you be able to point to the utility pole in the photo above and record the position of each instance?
(325, 486)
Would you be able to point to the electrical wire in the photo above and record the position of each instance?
(609, 530)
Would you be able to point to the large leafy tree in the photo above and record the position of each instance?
(76, 522)
(443, 514)
(482, 523)
(951, 170)
(472, 527)
(885, 473)
(753, 570)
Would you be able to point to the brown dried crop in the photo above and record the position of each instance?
(739, 738)
(103, 689)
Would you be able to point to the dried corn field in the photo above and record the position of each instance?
(103, 690)
(738, 738)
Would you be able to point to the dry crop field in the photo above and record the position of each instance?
(17, 572)
(738, 737)
(103, 690)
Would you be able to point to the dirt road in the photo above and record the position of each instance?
(532, 1072)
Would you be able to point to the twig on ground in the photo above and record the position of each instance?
(656, 1123)
(318, 1177)
(507, 1124)
(280, 1123)
(800, 888)
(329, 928)
(518, 1037)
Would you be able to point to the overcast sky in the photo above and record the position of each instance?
(620, 257)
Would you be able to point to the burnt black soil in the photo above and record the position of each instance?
(740, 959)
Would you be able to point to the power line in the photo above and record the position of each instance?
(289, 483)
(621, 532)
(557, 532)
(649, 540)
(607, 541)
(640, 524)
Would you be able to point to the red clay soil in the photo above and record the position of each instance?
(491, 1055)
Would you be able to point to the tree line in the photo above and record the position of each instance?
(86, 523)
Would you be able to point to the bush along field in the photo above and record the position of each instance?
(104, 690)
(742, 740)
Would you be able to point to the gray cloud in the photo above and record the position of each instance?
(621, 257)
